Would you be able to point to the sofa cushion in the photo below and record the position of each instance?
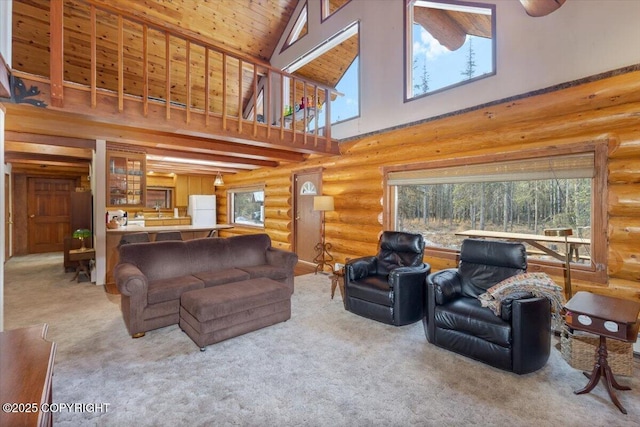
(210, 254)
(249, 249)
(219, 277)
(171, 289)
(223, 300)
(466, 315)
(265, 270)
(157, 260)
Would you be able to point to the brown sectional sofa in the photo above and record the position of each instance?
(152, 277)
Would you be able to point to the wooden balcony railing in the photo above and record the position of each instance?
(144, 69)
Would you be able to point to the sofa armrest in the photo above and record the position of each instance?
(130, 280)
(281, 258)
(445, 285)
(358, 268)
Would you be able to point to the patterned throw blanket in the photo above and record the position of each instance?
(537, 284)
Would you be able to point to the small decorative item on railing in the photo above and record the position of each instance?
(82, 233)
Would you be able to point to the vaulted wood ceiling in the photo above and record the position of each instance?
(243, 28)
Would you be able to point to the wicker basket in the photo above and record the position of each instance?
(579, 350)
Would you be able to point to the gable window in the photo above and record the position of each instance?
(329, 7)
(524, 196)
(447, 43)
(299, 28)
(246, 206)
(334, 63)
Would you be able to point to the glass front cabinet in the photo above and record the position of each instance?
(126, 179)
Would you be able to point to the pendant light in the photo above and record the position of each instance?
(218, 181)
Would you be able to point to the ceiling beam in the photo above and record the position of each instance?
(29, 119)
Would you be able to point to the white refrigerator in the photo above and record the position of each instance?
(202, 210)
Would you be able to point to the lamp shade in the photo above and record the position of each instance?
(218, 180)
(323, 203)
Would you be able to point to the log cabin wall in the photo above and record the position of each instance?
(601, 107)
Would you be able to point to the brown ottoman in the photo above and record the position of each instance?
(213, 314)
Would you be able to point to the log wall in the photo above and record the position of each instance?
(604, 107)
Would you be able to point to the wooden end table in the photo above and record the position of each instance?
(83, 256)
(337, 280)
(607, 317)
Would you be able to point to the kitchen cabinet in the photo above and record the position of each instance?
(155, 222)
(125, 179)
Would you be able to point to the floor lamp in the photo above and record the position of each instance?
(564, 232)
(323, 258)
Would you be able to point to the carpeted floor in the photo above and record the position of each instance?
(323, 367)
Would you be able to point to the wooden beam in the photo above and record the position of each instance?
(13, 147)
(56, 43)
(60, 141)
(537, 8)
(94, 59)
(51, 122)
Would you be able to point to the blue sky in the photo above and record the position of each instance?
(444, 66)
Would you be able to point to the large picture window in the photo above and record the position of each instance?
(246, 206)
(525, 196)
(448, 43)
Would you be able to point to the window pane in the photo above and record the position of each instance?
(248, 207)
(448, 44)
(438, 211)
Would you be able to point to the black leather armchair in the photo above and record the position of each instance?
(389, 287)
(519, 340)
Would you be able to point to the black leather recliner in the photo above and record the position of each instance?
(519, 340)
(389, 287)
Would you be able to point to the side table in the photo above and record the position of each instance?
(607, 317)
(337, 280)
(83, 256)
(25, 375)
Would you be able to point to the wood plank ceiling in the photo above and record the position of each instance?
(246, 28)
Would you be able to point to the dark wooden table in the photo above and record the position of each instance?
(607, 317)
(83, 256)
(26, 367)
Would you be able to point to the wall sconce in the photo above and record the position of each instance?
(323, 204)
(218, 181)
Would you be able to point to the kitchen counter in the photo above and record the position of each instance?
(114, 235)
(157, 228)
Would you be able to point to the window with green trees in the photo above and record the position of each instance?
(246, 206)
(520, 196)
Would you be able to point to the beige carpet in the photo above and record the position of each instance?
(324, 367)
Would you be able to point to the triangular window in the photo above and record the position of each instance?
(299, 29)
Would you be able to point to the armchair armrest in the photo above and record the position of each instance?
(130, 280)
(445, 285)
(281, 258)
(531, 331)
(409, 287)
(360, 267)
(404, 275)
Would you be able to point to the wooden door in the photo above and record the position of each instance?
(307, 224)
(48, 207)
(7, 220)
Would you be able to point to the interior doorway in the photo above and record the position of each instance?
(7, 218)
(307, 222)
(48, 212)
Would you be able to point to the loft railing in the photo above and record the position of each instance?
(130, 59)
